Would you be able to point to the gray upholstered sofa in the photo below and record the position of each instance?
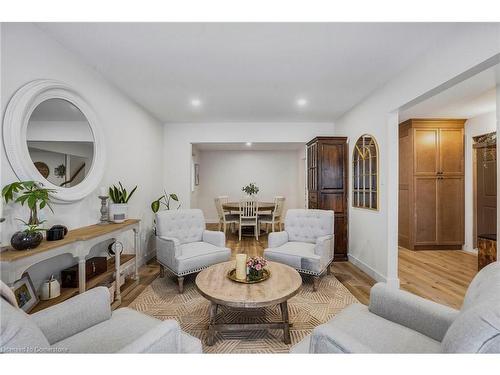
(400, 322)
(183, 246)
(85, 324)
(306, 244)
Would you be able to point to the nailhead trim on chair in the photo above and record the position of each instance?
(185, 272)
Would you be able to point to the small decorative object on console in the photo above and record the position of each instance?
(25, 293)
(29, 238)
(56, 233)
(114, 246)
(50, 289)
(93, 267)
(118, 210)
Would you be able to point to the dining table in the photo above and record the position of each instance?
(235, 206)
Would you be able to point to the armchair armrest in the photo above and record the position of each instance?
(429, 318)
(74, 315)
(324, 246)
(276, 239)
(215, 238)
(327, 339)
(164, 338)
(167, 249)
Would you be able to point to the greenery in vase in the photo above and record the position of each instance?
(32, 193)
(119, 194)
(251, 188)
(32, 228)
(165, 201)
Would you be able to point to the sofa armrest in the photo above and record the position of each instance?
(215, 238)
(429, 318)
(164, 338)
(327, 339)
(324, 247)
(276, 239)
(167, 249)
(74, 315)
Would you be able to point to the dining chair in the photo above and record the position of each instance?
(274, 218)
(248, 215)
(225, 218)
(224, 199)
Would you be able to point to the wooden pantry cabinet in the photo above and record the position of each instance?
(327, 185)
(431, 184)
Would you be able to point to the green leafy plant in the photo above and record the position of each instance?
(164, 201)
(119, 194)
(60, 171)
(251, 188)
(32, 193)
(32, 228)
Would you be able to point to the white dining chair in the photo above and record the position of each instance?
(225, 218)
(223, 200)
(248, 215)
(274, 218)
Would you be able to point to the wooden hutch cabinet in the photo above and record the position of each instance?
(431, 184)
(327, 171)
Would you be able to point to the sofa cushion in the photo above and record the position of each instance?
(19, 334)
(196, 255)
(308, 225)
(185, 225)
(356, 330)
(299, 255)
(475, 330)
(124, 327)
(484, 286)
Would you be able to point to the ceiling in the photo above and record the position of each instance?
(248, 72)
(470, 98)
(261, 146)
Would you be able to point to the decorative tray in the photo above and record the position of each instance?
(232, 275)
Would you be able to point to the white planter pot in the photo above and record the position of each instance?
(118, 212)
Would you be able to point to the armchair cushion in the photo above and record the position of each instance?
(185, 225)
(215, 238)
(356, 330)
(409, 310)
(307, 225)
(198, 255)
(74, 315)
(277, 239)
(299, 255)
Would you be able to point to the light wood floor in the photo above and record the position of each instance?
(441, 276)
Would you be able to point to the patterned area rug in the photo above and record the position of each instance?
(307, 310)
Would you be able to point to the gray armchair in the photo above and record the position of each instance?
(306, 244)
(400, 322)
(183, 246)
(86, 324)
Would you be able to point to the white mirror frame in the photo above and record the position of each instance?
(17, 116)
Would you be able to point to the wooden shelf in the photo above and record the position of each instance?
(66, 293)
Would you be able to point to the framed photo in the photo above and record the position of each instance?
(196, 174)
(25, 293)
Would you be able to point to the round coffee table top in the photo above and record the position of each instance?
(214, 285)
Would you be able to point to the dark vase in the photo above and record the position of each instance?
(25, 240)
(254, 275)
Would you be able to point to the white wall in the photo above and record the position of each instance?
(226, 172)
(133, 138)
(373, 235)
(479, 125)
(178, 139)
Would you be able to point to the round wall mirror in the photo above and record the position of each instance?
(60, 142)
(51, 135)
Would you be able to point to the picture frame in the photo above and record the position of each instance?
(196, 174)
(25, 293)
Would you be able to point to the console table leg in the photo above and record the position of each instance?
(137, 252)
(118, 296)
(81, 275)
(211, 324)
(286, 323)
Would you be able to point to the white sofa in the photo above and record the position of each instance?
(400, 322)
(183, 246)
(86, 324)
(306, 244)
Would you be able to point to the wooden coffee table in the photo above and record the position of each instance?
(214, 285)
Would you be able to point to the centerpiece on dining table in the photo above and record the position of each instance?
(249, 270)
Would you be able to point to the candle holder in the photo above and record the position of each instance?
(104, 210)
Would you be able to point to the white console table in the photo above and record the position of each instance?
(78, 242)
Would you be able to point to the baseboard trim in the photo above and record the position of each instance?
(367, 269)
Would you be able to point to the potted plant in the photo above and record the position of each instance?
(118, 209)
(251, 189)
(164, 201)
(255, 267)
(36, 198)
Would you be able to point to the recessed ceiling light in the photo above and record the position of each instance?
(196, 103)
(249, 144)
(302, 102)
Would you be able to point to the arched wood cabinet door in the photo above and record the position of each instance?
(327, 163)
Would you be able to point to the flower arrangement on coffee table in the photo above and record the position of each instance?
(255, 267)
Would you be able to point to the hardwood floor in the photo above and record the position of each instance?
(441, 276)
